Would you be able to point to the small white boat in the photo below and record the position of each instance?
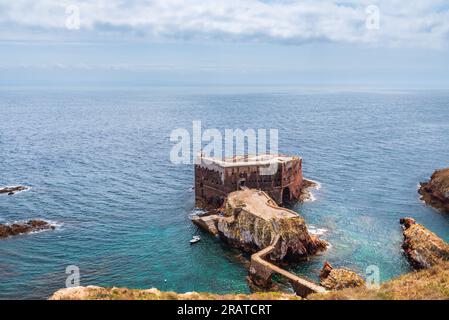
(195, 239)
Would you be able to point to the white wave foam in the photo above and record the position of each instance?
(311, 197)
(196, 212)
(317, 185)
(316, 231)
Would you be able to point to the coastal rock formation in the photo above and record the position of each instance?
(252, 220)
(100, 293)
(426, 284)
(338, 279)
(12, 190)
(14, 229)
(436, 192)
(422, 247)
(305, 194)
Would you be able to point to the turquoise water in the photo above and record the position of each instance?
(98, 164)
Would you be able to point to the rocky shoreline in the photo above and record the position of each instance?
(306, 194)
(18, 228)
(338, 279)
(435, 192)
(423, 248)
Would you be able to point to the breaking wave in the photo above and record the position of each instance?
(316, 231)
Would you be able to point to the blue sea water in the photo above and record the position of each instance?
(98, 164)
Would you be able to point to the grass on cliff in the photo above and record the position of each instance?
(429, 284)
(99, 293)
(127, 294)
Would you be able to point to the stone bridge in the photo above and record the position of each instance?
(261, 270)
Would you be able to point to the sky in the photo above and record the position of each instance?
(378, 44)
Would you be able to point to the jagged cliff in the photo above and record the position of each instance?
(338, 279)
(427, 284)
(422, 247)
(252, 220)
(436, 192)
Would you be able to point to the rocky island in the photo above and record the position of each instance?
(251, 220)
(14, 229)
(435, 192)
(13, 190)
(254, 223)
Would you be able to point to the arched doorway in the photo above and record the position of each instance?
(286, 196)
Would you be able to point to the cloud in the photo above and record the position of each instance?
(419, 23)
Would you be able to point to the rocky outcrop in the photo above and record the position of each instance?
(338, 279)
(426, 284)
(305, 194)
(252, 220)
(7, 230)
(436, 192)
(13, 190)
(100, 293)
(422, 247)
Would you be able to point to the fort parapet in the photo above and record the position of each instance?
(279, 176)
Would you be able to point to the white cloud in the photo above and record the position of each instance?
(418, 23)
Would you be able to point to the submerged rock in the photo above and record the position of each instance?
(251, 222)
(436, 192)
(338, 279)
(14, 229)
(12, 190)
(422, 247)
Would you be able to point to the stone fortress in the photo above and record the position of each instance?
(279, 176)
(243, 197)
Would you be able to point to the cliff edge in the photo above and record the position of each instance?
(422, 247)
(100, 293)
(338, 279)
(435, 192)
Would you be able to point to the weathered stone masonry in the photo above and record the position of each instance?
(216, 178)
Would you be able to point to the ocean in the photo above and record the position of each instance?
(98, 162)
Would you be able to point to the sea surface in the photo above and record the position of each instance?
(98, 162)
